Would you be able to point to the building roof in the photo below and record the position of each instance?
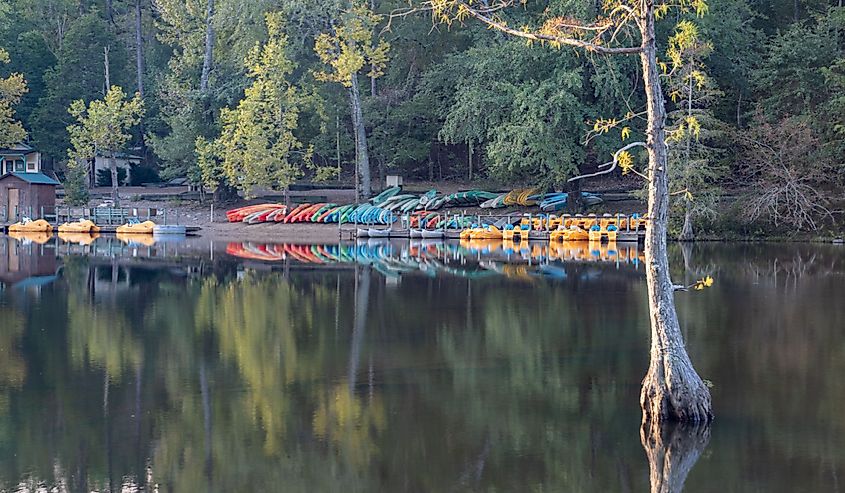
(20, 148)
(33, 178)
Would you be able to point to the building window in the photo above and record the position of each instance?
(20, 167)
(31, 166)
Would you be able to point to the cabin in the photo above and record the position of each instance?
(20, 158)
(26, 195)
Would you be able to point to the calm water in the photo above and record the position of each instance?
(405, 367)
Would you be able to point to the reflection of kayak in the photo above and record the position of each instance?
(37, 226)
(39, 237)
(136, 239)
(80, 238)
(82, 226)
(144, 228)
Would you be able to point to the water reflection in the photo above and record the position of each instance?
(184, 368)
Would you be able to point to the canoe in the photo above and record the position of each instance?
(144, 228)
(169, 229)
(82, 226)
(378, 233)
(433, 233)
(362, 233)
(416, 233)
(37, 226)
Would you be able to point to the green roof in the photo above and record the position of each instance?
(35, 178)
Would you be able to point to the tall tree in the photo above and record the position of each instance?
(102, 127)
(347, 50)
(257, 146)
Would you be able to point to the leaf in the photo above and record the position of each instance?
(626, 133)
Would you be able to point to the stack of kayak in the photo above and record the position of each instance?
(254, 214)
(334, 213)
(557, 201)
(392, 199)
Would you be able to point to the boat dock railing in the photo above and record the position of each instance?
(104, 216)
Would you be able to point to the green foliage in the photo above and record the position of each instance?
(12, 88)
(104, 177)
(102, 126)
(76, 182)
(257, 146)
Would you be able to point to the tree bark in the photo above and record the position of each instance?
(139, 48)
(115, 195)
(209, 47)
(671, 390)
(362, 155)
(672, 452)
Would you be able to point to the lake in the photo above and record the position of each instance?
(198, 366)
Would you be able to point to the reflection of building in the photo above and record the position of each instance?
(24, 264)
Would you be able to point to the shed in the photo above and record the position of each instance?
(26, 195)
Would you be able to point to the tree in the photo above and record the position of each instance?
(347, 50)
(257, 146)
(671, 390)
(102, 127)
(693, 129)
(12, 88)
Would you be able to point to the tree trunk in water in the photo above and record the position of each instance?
(363, 155)
(209, 47)
(671, 390)
(672, 452)
(139, 48)
(115, 195)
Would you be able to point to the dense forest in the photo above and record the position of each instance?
(239, 94)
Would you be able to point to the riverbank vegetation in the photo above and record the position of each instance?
(753, 92)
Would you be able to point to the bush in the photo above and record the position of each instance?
(104, 177)
(140, 174)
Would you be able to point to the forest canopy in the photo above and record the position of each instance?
(374, 86)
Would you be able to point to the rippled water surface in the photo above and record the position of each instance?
(197, 366)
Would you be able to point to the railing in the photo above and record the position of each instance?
(104, 216)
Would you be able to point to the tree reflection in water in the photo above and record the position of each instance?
(225, 376)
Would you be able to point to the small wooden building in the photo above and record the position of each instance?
(26, 195)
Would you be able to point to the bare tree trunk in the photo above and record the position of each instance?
(139, 48)
(671, 390)
(209, 47)
(115, 195)
(373, 67)
(672, 452)
(363, 157)
(106, 67)
(469, 158)
(687, 233)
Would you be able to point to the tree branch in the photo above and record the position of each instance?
(612, 164)
(626, 50)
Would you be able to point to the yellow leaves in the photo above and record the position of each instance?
(351, 47)
(626, 133)
(625, 161)
(705, 282)
(104, 124)
(604, 125)
(688, 196)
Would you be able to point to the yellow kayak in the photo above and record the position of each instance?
(83, 226)
(144, 228)
(37, 226)
(80, 238)
(39, 237)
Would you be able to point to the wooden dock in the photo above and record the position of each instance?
(621, 236)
